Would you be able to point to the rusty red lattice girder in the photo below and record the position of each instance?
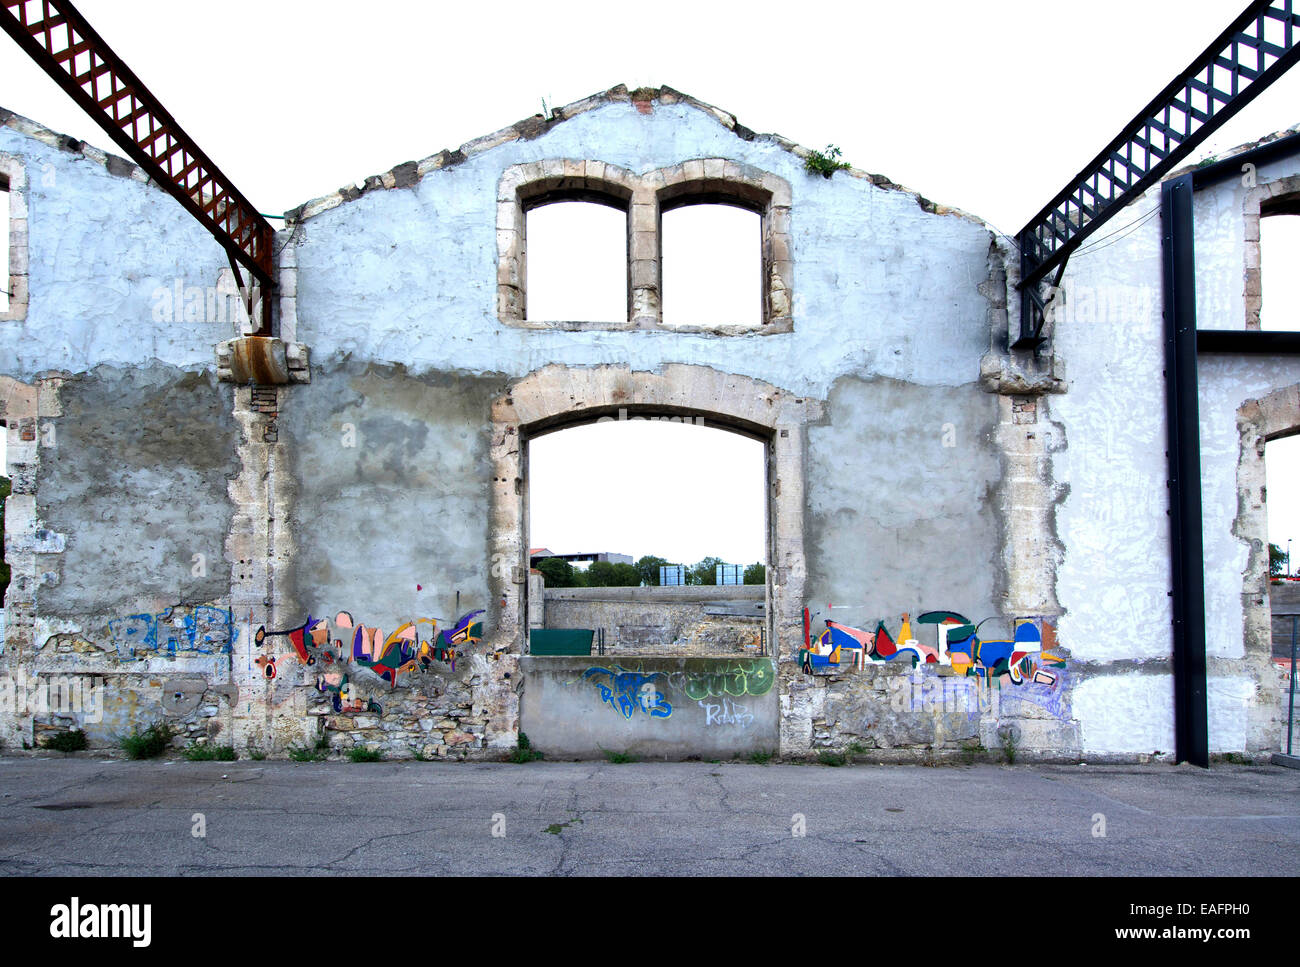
(58, 38)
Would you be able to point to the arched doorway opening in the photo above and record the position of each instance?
(651, 530)
(676, 705)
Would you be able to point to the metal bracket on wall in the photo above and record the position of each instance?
(262, 361)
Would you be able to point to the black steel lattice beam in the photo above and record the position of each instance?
(1258, 46)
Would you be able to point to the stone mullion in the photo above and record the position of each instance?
(644, 251)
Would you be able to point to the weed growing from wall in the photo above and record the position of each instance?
(825, 164)
(1010, 743)
(524, 751)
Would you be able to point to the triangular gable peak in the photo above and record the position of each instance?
(645, 99)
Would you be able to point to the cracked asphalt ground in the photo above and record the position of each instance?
(96, 817)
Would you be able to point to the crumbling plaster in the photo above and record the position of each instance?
(102, 241)
(1054, 491)
(409, 274)
(1113, 524)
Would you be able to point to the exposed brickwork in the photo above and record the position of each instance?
(31, 550)
(1024, 410)
(266, 402)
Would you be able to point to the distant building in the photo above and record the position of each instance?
(537, 554)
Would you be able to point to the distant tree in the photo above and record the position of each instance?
(649, 567)
(604, 574)
(626, 576)
(756, 573)
(557, 572)
(1277, 561)
(600, 574)
(706, 572)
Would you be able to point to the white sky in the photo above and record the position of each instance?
(683, 492)
(712, 264)
(987, 107)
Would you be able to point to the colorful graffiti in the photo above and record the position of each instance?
(1018, 659)
(344, 699)
(342, 640)
(629, 691)
(339, 645)
(201, 629)
(267, 664)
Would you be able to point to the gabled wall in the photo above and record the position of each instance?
(266, 565)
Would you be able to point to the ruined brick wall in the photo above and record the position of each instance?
(342, 558)
(119, 449)
(665, 621)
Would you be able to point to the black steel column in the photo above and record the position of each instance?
(1191, 720)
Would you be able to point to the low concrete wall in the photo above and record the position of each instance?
(906, 713)
(661, 708)
(726, 620)
(1284, 597)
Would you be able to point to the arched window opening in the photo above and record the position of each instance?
(576, 262)
(1281, 467)
(5, 489)
(1279, 246)
(650, 502)
(712, 258)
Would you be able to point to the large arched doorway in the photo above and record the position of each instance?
(638, 692)
(1265, 426)
(627, 505)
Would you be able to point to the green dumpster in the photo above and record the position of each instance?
(560, 641)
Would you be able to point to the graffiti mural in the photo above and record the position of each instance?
(201, 629)
(628, 692)
(1017, 660)
(344, 699)
(726, 712)
(342, 640)
(752, 677)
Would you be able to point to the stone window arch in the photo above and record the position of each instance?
(559, 395)
(13, 194)
(1280, 197)
(644, 197)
